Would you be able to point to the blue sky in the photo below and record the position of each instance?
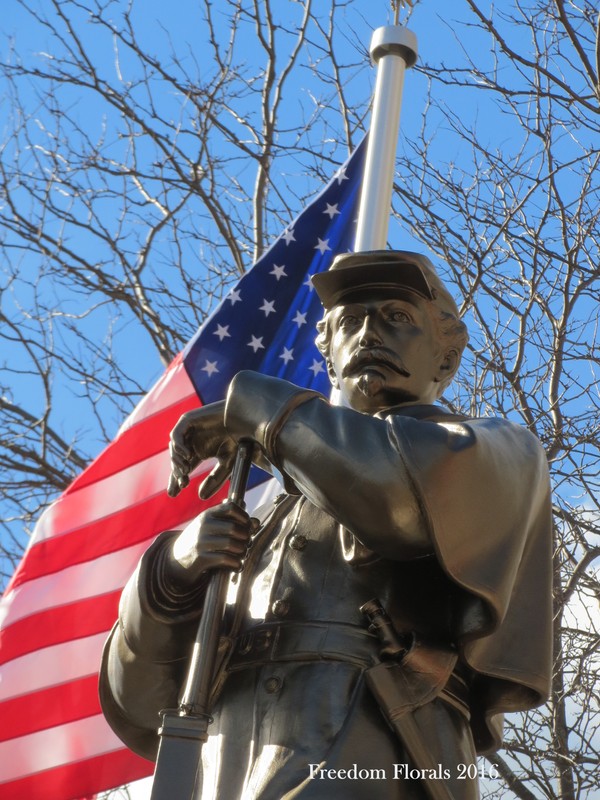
(177, 29)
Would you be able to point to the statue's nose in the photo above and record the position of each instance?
(369, 335)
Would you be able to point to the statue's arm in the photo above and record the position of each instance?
(147, 653)
(345, 462)
(146, 657)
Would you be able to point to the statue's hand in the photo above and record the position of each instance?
(201, 434)
(217, 539)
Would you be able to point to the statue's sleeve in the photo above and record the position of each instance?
(484, 488)
(146, 656)
(346, 463)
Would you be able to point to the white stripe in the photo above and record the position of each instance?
(105, 574)
(51, 666)
(172, 387)
(106, 496)
(55, 747)
(262, 494)
(124, 489)
(75, 659)
(140, 790)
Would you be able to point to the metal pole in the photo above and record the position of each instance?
(185, 729)
(201, 671)
(393, 49)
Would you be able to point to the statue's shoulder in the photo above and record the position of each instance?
(494, 431)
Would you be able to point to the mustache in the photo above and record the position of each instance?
(371, 357)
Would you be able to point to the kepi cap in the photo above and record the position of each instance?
(351, 274)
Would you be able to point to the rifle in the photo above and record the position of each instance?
(184, 730)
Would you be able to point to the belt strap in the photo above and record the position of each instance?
(311, 641)
(326, 641)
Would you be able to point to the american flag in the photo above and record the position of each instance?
(62, 600)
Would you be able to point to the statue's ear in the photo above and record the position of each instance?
(331, 372)
(448, 365)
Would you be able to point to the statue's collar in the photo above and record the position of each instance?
(420, 411)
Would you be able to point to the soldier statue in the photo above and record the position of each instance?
(439, 520)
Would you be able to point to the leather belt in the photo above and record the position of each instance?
(307, 641)
(326, 641)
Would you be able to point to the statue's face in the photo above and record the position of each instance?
(384, 351)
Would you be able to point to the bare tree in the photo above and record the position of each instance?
(516, 217)
(134, 190)
(141, 175)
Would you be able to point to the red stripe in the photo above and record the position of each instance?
(148, 437)
(60, 624)
(79, 780)
(50, 707)
(109, 534)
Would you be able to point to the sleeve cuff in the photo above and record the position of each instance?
(258, 407)
(156, 618)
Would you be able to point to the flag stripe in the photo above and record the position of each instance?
(148, 437)
(62, 600)
(172, 386)
(52, 666)
(59, 624)
(66, 597)
(47, 749)
(49, 707)
(127, 488)
(175, 394)
(90, 579)
(135, 445)
(99, 541)
(137, 523)
(79, 779)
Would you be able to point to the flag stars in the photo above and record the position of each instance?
(322, 245)
(222, 332)
(210, 367)
(308, 282)
(268, 307)
(332, 210)
(278, 272)
(288, 236)
(287, 355)
(300, 319)
(317, 366)
(341, 176)
(234, 297)
(256, 343)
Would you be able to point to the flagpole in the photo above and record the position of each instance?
(394, 50)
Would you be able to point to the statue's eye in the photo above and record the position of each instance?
(348, 320)
(399, 316)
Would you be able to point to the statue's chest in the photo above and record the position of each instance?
(309, 573)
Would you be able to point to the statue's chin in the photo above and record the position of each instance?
(371, 383)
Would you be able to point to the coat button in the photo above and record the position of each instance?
(262, 640)
(298, 541)
(280, 608)
(273, 685)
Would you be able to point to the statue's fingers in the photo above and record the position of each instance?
(173, 487)
(180, 451)
(183, 462)
(182, 434)
(177, 482)
(214, 480)
(180, 472)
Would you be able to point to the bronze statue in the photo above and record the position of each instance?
(393, 602)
